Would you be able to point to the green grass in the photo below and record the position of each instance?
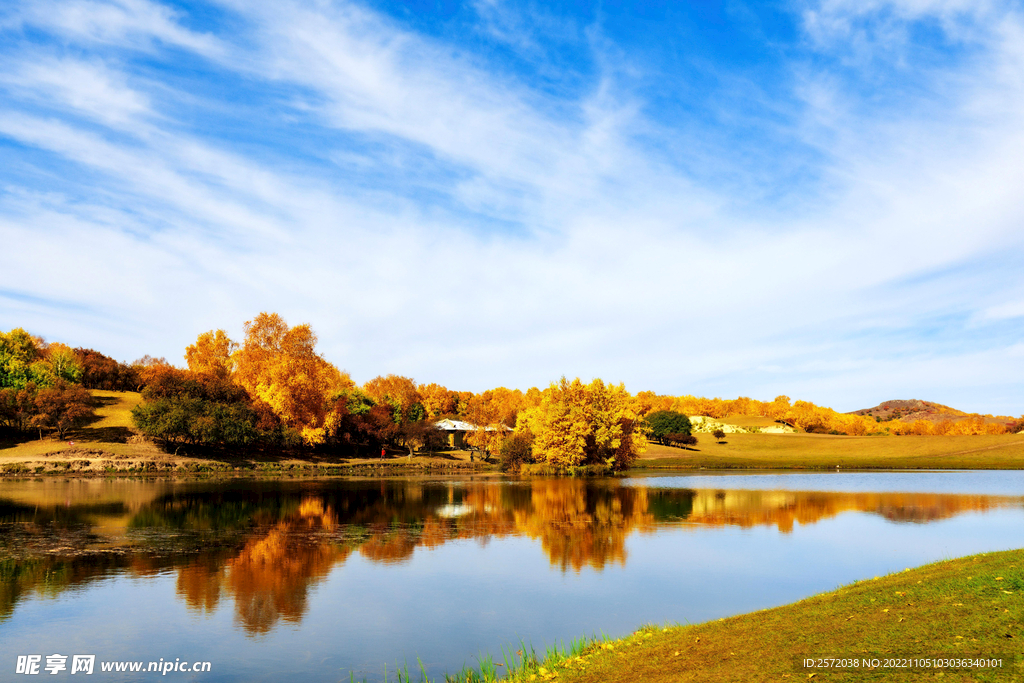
(956, 608)
(823, 451)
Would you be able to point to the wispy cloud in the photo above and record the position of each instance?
(135, 24)
(86, 87)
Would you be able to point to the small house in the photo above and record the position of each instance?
(457, 429)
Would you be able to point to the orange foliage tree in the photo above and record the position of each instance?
(61, 407)
(439, 401)
(494, 412)
(400, 394)
(280, 366)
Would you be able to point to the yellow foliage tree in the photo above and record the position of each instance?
(211, 354)
(577, 424)
(280, 365)
(438, 400)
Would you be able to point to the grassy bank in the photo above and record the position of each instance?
(957, 608)
(825, 451)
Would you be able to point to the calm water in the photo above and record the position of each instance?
(316, 579)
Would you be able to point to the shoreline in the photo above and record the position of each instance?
(95, 463)
(83, 468)
(91, 462)
(738, 453)
(967, 608)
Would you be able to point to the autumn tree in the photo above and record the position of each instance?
(17, 406)
(1017, 426)
(398, 392)
(211, 354)
(103, 372)
(496, 406)
(494, 412)
(439, 401)
(61, 407)
(379, 426)
(19, 351)
(778, 409)
(148, 367)
(680, 440)
(280, 366)
(577, 424)
(57, 362)
(421, 434)
(655, 401)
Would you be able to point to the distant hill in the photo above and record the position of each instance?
(916, 409)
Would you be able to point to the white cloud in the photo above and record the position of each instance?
(1007, 311)
(616, 263)
(88, 87)
(134, 23)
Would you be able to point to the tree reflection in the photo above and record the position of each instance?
(262, 546)
(784, 509)
(199, 585)
(583, 525)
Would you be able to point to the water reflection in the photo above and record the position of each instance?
(581, 524)
(783, 509)
(263, 546)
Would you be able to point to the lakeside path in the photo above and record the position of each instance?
(967, 608)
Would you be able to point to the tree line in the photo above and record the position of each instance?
(273, 389)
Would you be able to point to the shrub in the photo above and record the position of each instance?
(516, 450)
(681, 440)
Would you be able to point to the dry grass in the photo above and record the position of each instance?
(749, 421)
(108, 431)
(114, 408)
(824, 451)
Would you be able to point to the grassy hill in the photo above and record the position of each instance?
(109, 430)
(749, 421)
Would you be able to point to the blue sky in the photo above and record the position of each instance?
(817, 199)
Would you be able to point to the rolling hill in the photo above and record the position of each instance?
(914, 409)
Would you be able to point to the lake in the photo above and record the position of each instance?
(322, 578)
